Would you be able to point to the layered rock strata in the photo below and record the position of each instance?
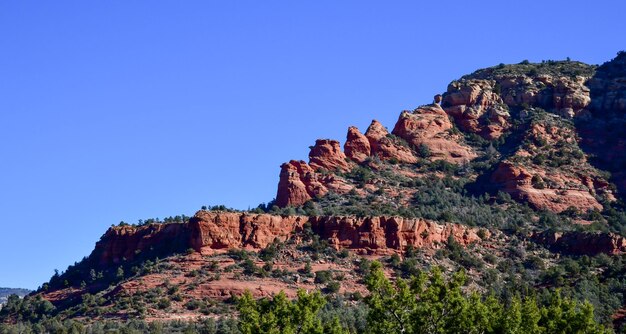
(210, 231)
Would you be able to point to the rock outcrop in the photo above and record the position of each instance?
(210, 231)
(326, 154)
(477, 108)
(385, 147)
(299, 182)
(558, 87)
(121, 243)
(357, 146)
(430, 126)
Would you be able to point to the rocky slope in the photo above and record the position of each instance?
(535, 118)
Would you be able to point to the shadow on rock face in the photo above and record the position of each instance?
(603, 131)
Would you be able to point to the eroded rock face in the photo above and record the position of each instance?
(365, 235)
(567, 97)
(559, 93)
(298, 183)
(582, 243)
(569, 192)
(357, 146)
(477, 108)
(209, 231)
(430, 126)
(235, 230)
(326, 154)
(383, 235)
(387, 148)
(123, 243)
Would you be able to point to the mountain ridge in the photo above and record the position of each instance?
(514, 175)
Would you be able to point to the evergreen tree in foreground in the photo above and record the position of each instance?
(425, 304)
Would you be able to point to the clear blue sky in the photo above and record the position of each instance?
(125, 110)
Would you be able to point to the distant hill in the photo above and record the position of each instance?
(6, 292)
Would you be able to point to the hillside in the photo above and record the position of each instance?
(515, 176)
(6, 292)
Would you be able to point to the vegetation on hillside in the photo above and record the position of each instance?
(423, 303)
(565, 68)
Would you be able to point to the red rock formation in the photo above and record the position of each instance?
(560, 93)
(429, 125)
(216, 230)
(298, 183)
(374, 234)
(357, 146)
(384, 235)
(387, 148)
(582, 243)
(122, 243)
(564, 96)
(517, 181)
(208, 231)
(326, 154)
(477, 108)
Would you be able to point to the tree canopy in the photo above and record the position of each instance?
(427, 304)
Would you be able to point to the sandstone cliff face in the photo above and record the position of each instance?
(123, 243)
(209, 231)
(567, 97)
(297, 184)
(427, 126)
(371, 235)
(300, 182)
(608, 87)
(212, 230)
(480, 102)
(388, 234)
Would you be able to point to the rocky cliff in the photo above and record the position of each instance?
(210, 231)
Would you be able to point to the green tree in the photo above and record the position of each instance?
(432, 304)
(280, 315)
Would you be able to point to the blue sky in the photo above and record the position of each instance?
(126, 110)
